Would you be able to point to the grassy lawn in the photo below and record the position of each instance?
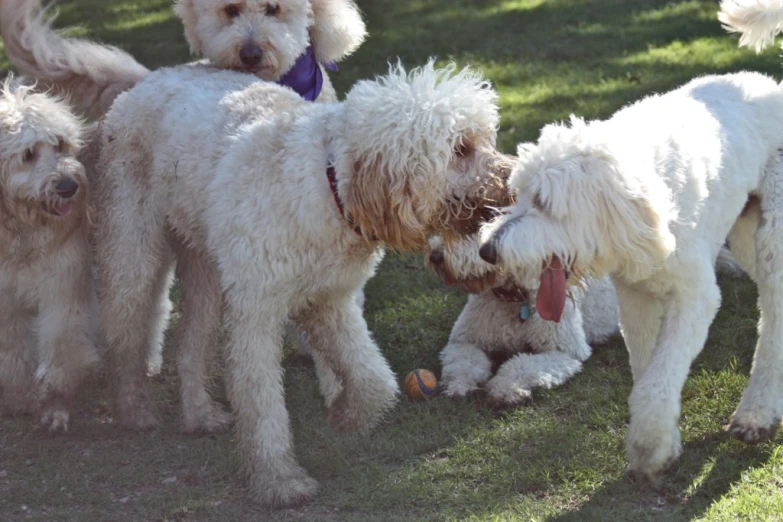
(559, 458)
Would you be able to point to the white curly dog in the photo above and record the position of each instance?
(93, 75)
(293, 202)
(500, 317)
(48, 314)
(649, 197)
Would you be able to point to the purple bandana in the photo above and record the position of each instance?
(306, 77)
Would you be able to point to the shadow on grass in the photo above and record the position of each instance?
(632, 499)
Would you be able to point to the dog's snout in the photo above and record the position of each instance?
(436, 257)
(250, 54)
(489, 252)
(66, 188)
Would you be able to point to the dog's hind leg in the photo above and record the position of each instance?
(134, 262)
(196, 338)
(640, 322)
(338, 331)
(689, 308)
(759, 413)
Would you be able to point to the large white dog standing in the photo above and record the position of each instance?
(649, 197)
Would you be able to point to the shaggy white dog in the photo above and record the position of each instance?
(293, 202)
(649, 197)
(500, 317)
(285, 41)
(47, 299)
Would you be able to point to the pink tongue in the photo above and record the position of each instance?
(550, 300)
(63, 209)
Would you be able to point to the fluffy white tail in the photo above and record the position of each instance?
(88, 74)
(759, 21)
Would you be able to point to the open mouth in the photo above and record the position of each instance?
(61, 208)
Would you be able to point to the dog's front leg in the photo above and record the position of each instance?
(338, 331)
(66, 341)
(654, 437)
(641, 315)
(17, 358)
(255, 324)
(465, 367)
(518, 376)
(561, 348)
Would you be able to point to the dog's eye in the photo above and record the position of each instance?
(232, 10)
(61, 145)
(272, 9)
(29, 155)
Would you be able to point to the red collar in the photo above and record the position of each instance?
(331, 175)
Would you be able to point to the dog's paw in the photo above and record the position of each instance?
(651, 454)
(458, 380)
(503, 391)
(458, 389)
(212, 419)
(753, 426)
(352, 412)
(56, 417)
(283, 490)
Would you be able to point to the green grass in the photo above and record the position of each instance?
(561, 457)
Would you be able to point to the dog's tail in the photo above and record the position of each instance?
(88, 74)
(758, 21)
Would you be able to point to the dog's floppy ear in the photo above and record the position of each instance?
(185, 10)
(381, 202)
(637, 224)
(338, 29)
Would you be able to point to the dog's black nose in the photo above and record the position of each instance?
(489, 252)
(250, 54)
(436, 257)
(66, 188)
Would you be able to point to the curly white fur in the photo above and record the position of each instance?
(218, 165)
(47, 301)
(649, 197)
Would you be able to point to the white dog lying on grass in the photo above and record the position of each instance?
(649, 197)
(501, 317)
(48, 314)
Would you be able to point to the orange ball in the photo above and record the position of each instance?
(420, 384)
